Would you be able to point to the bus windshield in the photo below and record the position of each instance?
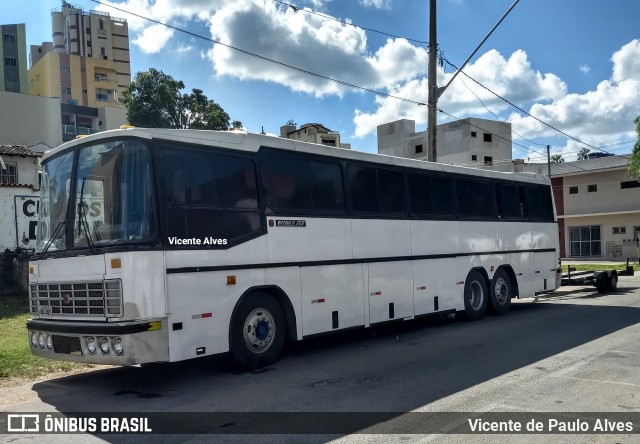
(114, 201)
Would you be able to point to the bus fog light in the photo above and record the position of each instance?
(118, 347)
(41, 340)
(34, 339)
(91, 344)
(104, 345)
(49, 342)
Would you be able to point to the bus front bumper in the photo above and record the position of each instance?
(126, 343)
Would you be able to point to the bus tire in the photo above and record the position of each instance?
(257, 331)
(612, 281)
(476, 297)
(501, 292)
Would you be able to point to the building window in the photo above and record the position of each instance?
(102, 95)
(619, 230)
(418, 149)
(328, 142)
(11, 61)
(629, 184)
(64, 69)
(573, 190)
(592, 188)
(9, 38)
(474, 134)
(585, 241)
(100, 77)
(636, 232)
(474, 158)
(65, 90)
(10, 174)
(488, 160)
(487, 137)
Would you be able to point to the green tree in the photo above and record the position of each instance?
(583, 154)
(557, 158)
(634, 163)
(153, 100)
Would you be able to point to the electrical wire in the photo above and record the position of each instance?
(344, 22)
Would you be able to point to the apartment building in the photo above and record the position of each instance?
(470, 141)
(13, 54)
(313, 133)
(87, 66)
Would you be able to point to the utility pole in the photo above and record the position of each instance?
(549, 160)
(432, 102)
(434, 91)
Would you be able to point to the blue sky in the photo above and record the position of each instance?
(575, 64)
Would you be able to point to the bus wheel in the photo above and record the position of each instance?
(475, 296)
(501, 292)
(257, 331)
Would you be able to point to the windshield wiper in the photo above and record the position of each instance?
(61, 224)
(82, 220)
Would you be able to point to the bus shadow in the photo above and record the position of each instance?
(392, 368)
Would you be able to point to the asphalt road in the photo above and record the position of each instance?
(574, 351)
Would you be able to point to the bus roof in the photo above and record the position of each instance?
(251, 142)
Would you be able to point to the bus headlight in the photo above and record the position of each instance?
(34, 339)
(118, 347)
(49, 342)
(104, 345)
(41, 340)
(91, 345)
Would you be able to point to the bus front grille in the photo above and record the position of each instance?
(93, 299)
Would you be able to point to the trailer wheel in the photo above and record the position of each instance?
(257, 331)
(475, 297)
(501, 292)
(612, 281)
(602, 283)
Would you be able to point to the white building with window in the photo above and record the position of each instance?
(19, 197)
(598, 208)
(313, 133)
(470, 141)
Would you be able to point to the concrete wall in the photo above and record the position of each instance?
(18, 217)
(111, 118)
(608, 197)
(29, 120)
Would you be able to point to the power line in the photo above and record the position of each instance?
(344, 22)
(267, 59)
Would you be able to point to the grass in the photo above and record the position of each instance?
(596, 267)
(16, 360)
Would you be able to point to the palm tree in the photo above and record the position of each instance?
(557, 158)
(583, 154)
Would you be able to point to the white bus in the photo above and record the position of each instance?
(164, 245)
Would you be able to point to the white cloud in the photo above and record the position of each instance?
(380, 4)
(585, 68)
(626, 62)
(596, 116)
(153, 38)
(513, 78)
(310, 42)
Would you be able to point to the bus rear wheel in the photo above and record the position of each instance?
(501, 292)
(257, 331)
(475, 297)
